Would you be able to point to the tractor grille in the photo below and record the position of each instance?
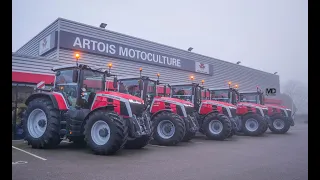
(189, 110)
(179, 110)
(283, 112)
(289, 113)
(258, 111)
(233, 112)
(137, 109)
(265, 111)
(224, 111)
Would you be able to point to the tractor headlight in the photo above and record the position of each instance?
(134, 101)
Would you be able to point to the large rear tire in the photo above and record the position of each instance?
(216, 126)
(42, 124)
(253, 125)
(279, 125)
(169, 128)
(137, 143)
(105, 132)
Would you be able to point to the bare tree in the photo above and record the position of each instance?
(298, 92)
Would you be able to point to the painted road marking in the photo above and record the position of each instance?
(19, 162)
(29, 153)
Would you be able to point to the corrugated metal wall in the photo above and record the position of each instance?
(31, 48)
(246, 78)
(31, 64)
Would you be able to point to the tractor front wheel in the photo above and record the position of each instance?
(253, 125)
(105, 132)
(169, 128)
(279, 125)
(216, 126)
(42, 124)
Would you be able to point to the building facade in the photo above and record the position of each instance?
(57, 44)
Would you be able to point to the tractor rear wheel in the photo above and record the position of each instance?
(169, 128)
(279, 125)
(105, 132)
(253, 125)
(137, 143)
(42, 124)
(216, 126)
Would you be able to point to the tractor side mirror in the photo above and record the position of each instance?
(140, 85)
(115, 82)
(75, 76)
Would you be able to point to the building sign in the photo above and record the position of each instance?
(47, 43)
(202, 68)
(96, 46)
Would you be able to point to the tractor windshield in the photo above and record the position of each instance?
(130, 86)
(250, 97)
(93, 81)
(182, 92)
(220, 95)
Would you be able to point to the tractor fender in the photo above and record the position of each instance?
(212, 112)
(163, 110)
(44, 95)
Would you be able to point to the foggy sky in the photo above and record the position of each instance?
(269, 35)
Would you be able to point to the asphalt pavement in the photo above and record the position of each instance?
(269, 157)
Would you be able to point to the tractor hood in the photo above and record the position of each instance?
(122, 95)
(177, 100)
(275, 106)
(251, 104)
(219, 102)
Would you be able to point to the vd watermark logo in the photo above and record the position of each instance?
(271, 91)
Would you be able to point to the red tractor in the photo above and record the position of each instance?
(213, 117)
(249, 118)
(79, 108)
(171, 118)
(279, 118)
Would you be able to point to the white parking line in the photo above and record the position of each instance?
(29, 153)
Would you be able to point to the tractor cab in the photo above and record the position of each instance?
(79, 83)
(191, 92)
(142, 87)
(256, 97)
(228, 95)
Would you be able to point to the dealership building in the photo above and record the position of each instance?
(57, 44)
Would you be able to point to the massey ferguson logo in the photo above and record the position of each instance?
(44, 44)
(202, 66)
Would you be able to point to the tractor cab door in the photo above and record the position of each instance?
(234, 97)
(66, 82)
(150, 89)
(262, 98)
(197, 96)
(90, 83)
